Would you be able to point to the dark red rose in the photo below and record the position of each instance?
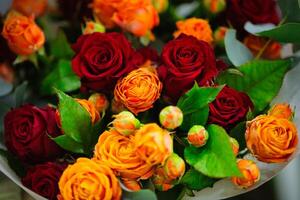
(101, 59)
(256, 11)
(184, 61)
(43, 179)
(229, 108)
(26, 133)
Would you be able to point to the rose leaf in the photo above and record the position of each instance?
(60, 47)
(69, 144)
(216, 159)
(139, 195)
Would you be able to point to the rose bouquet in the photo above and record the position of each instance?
(152, 99)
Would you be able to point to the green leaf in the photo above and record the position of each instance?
(216, 159)
(139, 195)
(238, 132)
(5, 87)
(69, 144)
(236, 51)
(261, 80)
(60, 47)
(75, 120)
(290, 10)
(195, 105)
(195, 180)
(62, 77)
(20, 94)
(286, 33)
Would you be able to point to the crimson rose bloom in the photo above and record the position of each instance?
(184, 61)
(43, 179)
(101, 59)
(26, 133)
(229, 108)
(256, 11)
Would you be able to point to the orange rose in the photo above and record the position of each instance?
(90, 108)
(24, 37)
(199, 28)
(250, 171)
(271, 139)
(30, 7)
(153, 144)
(282, 110)
(119, 153)
(138, 90)
(255, 44)
(137, 17)
(89, 179)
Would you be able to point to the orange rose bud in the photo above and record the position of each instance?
(271, 139)
(174, 167)
(23, 36)
(138, 90)
(93, 27)
(153, 144)
(171, 117)
(160, 180)
(100, 102)
(256, 44)
(119, 153)
(89, 179)
(219, 36)
(199, 28)
(91, 109)
(235, 145)
(250, 171)
(215, 6)
(131, 184)
(197, 136)
(160, 5)
(282, 110)
(125, 123)
(30, 7)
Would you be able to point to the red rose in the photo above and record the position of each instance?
(26, 133)
(256, 11)
(43, 179)
(184, 61)
(229, 108)
(101, 59)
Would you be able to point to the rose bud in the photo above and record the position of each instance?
(43, 179)
(197, 136)
(215, 6)
(250, 171)
(100, 102)
(91, 109)
(171, 117)
(117, 107)
(160, 180)
(23, 35)
(174, 167)
(125, 123)
(92, 27)
(160, 5)
(271, 139)
(130, 184)
(30, 7)
(27, 132)
(153, 144)
(282, 110)
(219, 36)
(235, 145)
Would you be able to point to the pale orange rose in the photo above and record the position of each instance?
(138, 90)
(90, 108)
(89, 179)
(153, 144)
(30, 7)
(23, 36)
(281, 110)
(119, 153)
(199, 28)
(255, 44)
(271, 139)
(137, 17)
(250, 171)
